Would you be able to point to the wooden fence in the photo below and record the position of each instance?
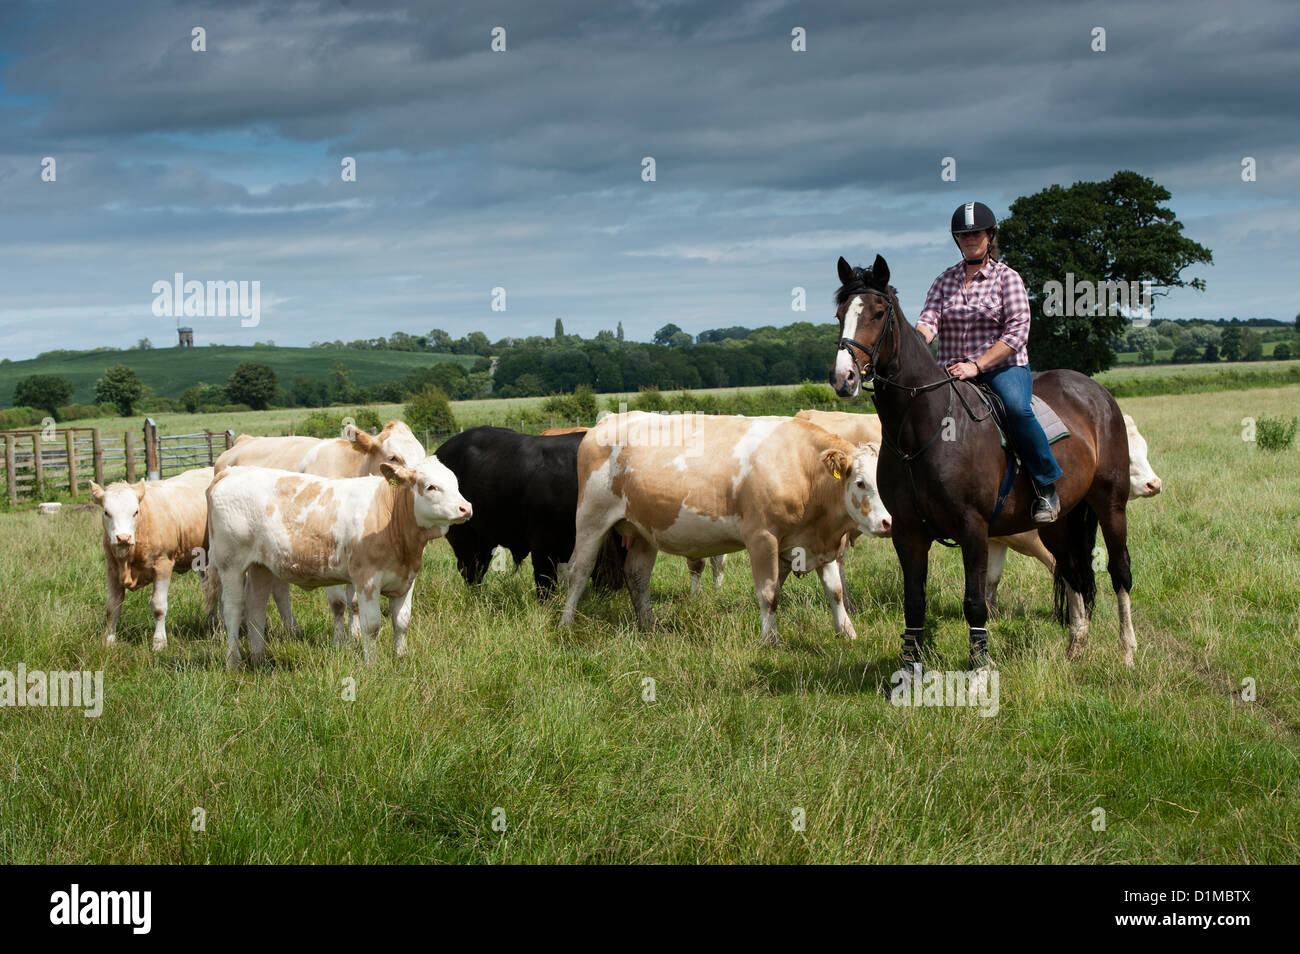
(38, 462)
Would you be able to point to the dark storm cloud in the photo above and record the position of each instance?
(478, 169)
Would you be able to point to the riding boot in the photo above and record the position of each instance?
(980, 660)
(1048, 505)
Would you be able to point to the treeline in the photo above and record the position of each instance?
(1203, 340)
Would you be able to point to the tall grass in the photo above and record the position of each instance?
(497, 713)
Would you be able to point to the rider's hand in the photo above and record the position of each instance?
(963, 370)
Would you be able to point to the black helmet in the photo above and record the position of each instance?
(973, 217)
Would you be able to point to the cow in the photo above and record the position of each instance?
(151, 530)
(857, 429)
(785, 490)
(1142, 482)
(366, 532)
(356, 454)
(524, 490)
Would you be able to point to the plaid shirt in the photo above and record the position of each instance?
(968, 321)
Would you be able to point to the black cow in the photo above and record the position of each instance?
(524, 491)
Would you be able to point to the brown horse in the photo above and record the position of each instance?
(941, 465)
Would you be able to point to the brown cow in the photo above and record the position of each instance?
(699, 485)
(151, 530)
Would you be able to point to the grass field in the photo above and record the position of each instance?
(496, 713)
(169, 371)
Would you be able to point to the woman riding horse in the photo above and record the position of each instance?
(979, 311)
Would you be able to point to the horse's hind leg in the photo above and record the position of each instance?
(1069, 581)
(1114, 531)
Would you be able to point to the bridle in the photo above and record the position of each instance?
(871, 353)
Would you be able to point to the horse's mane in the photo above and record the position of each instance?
(862, 283)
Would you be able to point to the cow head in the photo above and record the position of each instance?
(1142, 479)
(861, 496)
(395, 444)
(438, 502)
(120, 504)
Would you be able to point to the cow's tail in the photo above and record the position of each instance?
(1074, 565)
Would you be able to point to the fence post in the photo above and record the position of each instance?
(38, 485)
(9, 470)
(98, 454)
(208, 434)
(70, 438)
(230, 438)
(152, 470)
(128, 445)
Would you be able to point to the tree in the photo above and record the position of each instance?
(430, 411)
(1211, 352)
(120, 387)
(680, 340)
(44, 392)
(665, 334)
(1282, 351)
(1186, 353)
(200, 395)
(1231, 344)
(620, 327)
(144, 344)
(1252, 346)
(252, 384)
(439, 340)
(559, 329)
(1112, 231)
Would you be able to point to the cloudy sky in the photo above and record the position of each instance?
(523, 169)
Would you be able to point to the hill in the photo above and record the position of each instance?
(169, 371)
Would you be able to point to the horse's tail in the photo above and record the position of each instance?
(1075, 565)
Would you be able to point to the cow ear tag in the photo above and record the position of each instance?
(837, 474)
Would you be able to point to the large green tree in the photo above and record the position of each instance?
(252, 384)
(1112, 231)
(120, 387)
(44, 392)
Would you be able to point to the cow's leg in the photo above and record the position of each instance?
(113, 605)
(638, 567)
(975, 561)
(399, 608)
(256, 598)
(833, 587)
(913, 549)
(849, 605)
(1114, 531)
(593, 523)
(161, 583)
(280, 591)
(338, 599)
(232, 610)
(997, 561)
(696, 569)
(369, 616)
(769, 572)
(355, 626)
(719, 565)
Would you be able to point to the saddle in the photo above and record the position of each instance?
(1048, 419)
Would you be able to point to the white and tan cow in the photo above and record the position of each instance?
(356, 454)
(783, 489)
(151, 530)
(367, 532)
(1142, 482)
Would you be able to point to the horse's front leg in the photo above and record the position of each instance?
(913, 549)
(975, 559)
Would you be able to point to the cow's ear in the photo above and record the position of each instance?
(139, 487)
(845, 271)
(880, 272)
(397, 474)
(836, 462)
(97, 492)
(361, 440)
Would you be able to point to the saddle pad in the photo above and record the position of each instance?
(1048, 419)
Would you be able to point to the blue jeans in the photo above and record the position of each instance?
(1014, 384)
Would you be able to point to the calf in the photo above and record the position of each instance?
(151, 530)
(356, 454)
(700, 485)
(524, 490)
(367, 532)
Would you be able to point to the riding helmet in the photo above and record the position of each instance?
(973, 217)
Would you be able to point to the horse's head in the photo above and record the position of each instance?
(865, 307)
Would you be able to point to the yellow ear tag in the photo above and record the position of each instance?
(837, 474)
